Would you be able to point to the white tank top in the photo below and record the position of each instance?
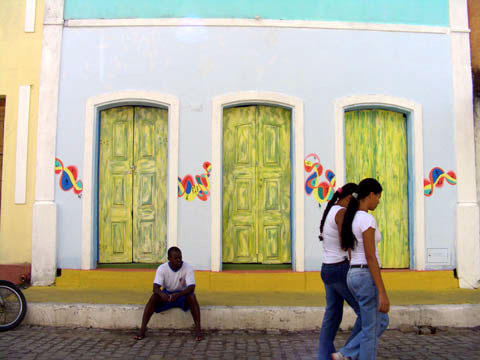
(332, 251)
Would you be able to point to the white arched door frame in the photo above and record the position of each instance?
(414, 116)
(257, 97)
(92, 111)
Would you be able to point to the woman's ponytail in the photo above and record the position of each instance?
(332, 202)
(347, 239)
(341, 193)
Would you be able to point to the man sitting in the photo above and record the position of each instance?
(174, 286)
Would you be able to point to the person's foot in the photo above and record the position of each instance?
(339, 356)
(139, 336)
(199, 337)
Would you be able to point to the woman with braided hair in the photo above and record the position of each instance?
(334, 272)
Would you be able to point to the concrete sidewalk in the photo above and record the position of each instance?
(253, 300)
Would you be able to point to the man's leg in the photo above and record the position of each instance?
(195, 310)
(147, 314)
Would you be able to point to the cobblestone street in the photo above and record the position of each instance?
(35, 342)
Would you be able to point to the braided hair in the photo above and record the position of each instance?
(341, 193)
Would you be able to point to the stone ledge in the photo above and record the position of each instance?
(240, 317)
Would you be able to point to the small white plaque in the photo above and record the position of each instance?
(437, 256)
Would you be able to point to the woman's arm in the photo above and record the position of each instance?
(369, 247)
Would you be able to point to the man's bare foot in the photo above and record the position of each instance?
(199, 337)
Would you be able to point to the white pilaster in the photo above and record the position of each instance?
(22, 144)
(30, 6)
(468, 245)
(44, 239)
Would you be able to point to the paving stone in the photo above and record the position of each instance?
(34, 342)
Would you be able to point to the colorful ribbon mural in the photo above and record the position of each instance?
(436, 179)
(68, 177)
(189, 190)
(322, 191)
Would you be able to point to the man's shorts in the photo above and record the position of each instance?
(181, 303)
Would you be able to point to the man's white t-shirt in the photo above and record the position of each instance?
(174, 280)
(361, 223)
(332, 251)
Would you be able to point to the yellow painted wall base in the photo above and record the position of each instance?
(258, 281)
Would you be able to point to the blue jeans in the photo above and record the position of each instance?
(335, 281)
(364, 345)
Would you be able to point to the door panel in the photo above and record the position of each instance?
(375, 146)
(273, 179)
(149, 186)
(239, 191)
(256, 185)
(115, 185)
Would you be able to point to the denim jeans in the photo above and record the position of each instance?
(364, 345)
(335, 281)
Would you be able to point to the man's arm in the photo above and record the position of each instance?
(188, 290)
(157, 290)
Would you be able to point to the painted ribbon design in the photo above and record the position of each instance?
(189, 190)
(436, 179)
(68, 177)
(322, 191)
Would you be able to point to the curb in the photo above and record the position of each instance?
(113, 316)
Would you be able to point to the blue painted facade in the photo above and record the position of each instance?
(196, 64)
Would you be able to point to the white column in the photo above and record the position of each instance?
(44, 234)
(468, 237)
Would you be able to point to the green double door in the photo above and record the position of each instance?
(376, 146)
(132, 185)
(256, 185)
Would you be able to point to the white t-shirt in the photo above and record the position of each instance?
(174, 280)
(332, 251)
(361, 223)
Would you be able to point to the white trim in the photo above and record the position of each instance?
(92, 108)
(467, 244)
(414, 111)
(249, 97)
(22, 144)
(44, 222)
(30, 6)
(303, 24)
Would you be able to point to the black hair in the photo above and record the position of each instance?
(365, 187)
(341, 193)
(172, 250)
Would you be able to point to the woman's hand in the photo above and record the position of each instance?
(383, 302)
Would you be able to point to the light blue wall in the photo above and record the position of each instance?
(195, 64)
(419, 12)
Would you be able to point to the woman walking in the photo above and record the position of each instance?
(334, 272)
(360, 234)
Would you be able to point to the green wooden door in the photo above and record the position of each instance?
(256, 185)
(376, 146)
(132, 185)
